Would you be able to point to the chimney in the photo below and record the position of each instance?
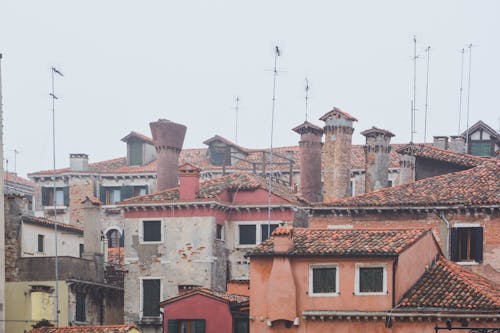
(92, 246)
(337, 154)
(79, 162)
(406, 169)
(310, 160)
(377, 151)
(189, 179)
(441, 142)
(168, 138)
(457, 144)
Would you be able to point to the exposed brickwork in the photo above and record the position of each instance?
(79, 188)
(377, 151)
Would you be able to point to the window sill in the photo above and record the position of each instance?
(52, 209)
(150, 320)
(324, 294)
(150, 243)
(245, 246)
(467, 263)
(382, 293)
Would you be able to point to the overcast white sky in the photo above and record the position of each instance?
(127, 63)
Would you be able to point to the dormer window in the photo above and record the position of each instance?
(140, 149)
(135, 152)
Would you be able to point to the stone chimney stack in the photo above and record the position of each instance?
(189, 179)
(457, 144)
(441, 142)
(337, 154)
(406, 169)
(377, 149)
(79, 162)
(310, 160)
(168, 138)
(92, 246)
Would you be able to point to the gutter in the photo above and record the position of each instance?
(406, 314)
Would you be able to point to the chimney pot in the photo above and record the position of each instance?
(189, 179)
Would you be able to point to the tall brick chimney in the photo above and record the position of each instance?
(337, 154)
(168, 138)
(377, 151)
(310, 160)
(189, 181)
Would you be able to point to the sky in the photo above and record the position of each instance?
(127, 63)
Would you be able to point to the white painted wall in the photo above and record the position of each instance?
(68, 242)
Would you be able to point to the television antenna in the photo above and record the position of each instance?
(468, 99)
(462, 51)
(428, 50)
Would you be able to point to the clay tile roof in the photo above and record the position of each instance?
(42, 221)
(282, 231)
(375, 131)
(93, 200)
(211, 189)
(308, 127)
(14, 178)
(137, 135)
(345, 242)
(447, 286)
(477, 186)
(87, 329)
(337, 112)
(430, 152)
(225, 297)
(226, 141)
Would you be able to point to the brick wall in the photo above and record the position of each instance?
(78, 189)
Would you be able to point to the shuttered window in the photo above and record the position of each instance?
(151, 297)
(324, 280)
(247, 234)
(466, 244)
(151, 231)
(61, 198)
(186, 326)
(135, 151)
(41, 243)
(264, 232)
(371, 279)
(80, 314)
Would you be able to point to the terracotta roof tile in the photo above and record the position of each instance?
(14, 178)
(344, 242)
(49, 223)
(87, 329)
(336, 111)
(137, 135)
(230, 298)
(375, 131)
(226, 141)
(447, 286)
(473, 187)
(211, 189)
(430, 152)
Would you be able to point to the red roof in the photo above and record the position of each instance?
(344, 242)
(211, 189)
(44, 222)
(308, 127)
(447, 286)
(431, 152)
(86, 329)
(337, 112)
(479, 186)
(225, 297)
(137, 135)
(375, 131)
(14, 178)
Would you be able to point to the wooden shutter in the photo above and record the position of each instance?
(151, 297)
(102, 194)
(172, 326)
(80, 314)
(46, 196)
(454, 244)
(477, 244)
(66, 195)
(127, 192)
(199, 326)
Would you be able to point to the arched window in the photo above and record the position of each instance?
(114, 238)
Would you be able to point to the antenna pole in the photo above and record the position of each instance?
(54, 198)
(468, 100)
(307, 95)
(428, 49)
(461, 90)
(270, 185)
(236, 109)
(413, 108)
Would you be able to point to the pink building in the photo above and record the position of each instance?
(355, 280)
(205, 311)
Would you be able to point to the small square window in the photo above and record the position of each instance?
(370, 279)
(323, 280)
(467, 244)
(151, 231)
(41, 243)
(248, 234)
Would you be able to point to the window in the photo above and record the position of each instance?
(249, 234)
(352, 188)
(186, 326)
(241, 325)
(61, 197)
(389, 183)
(140, 190)
(41, 243)
(135, 152)
(466, 243)
(219, 231)
(81, 250)
(113, 237)
(484, 148)
(323, 280)
(80, 314)
(150, 297)
(151, 231)
(110, 195)
(370, 279)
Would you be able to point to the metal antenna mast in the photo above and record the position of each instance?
(307, 95)
(413, 104)
(236, 109)
(468, 99)
(16, 152)
(54, 198)
(428, 49)
(461, 90)
(277, 53)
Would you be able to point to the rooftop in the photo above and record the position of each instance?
(44, 222)
(225, 297)
(88, 329)
(342, 242)
(431, 152)
(447, 286)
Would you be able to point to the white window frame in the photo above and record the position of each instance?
(258, 232)
(141, 231)
(141, 294)
(357, 281)
(337, 285)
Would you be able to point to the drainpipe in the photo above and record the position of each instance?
(394, 266)
(443, 218)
